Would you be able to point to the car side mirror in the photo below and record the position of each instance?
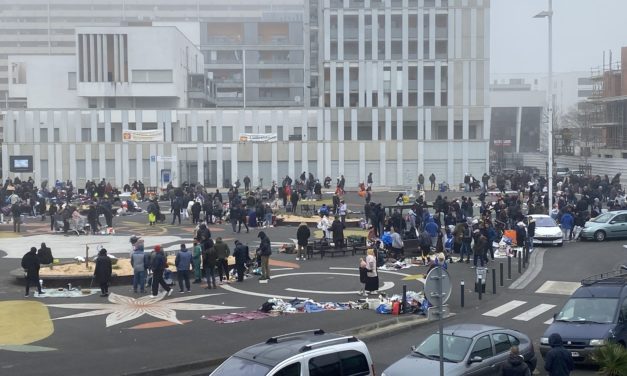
(475, 359)
(413, 348)
(554, 316)
(612, 222)
(623, 267)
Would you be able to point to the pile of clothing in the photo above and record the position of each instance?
(296, 305)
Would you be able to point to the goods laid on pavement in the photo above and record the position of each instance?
(231, 318)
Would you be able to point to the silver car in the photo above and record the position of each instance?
(607, 225)
(547, 231)
(469, 349)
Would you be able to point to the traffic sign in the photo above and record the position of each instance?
(432, 289)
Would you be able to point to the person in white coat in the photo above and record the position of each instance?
(324, 225)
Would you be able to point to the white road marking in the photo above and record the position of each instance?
(558, 288)
(280, 269)
(498, 311)
(535, 311)
(549, 321)
(235, 289)
(386, 286)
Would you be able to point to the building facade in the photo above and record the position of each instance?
(392, 87)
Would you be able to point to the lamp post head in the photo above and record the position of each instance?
(544, 14)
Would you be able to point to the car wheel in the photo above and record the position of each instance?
(599, 236)
(560, 244)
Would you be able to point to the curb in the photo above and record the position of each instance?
(381, 329)
(536, 262)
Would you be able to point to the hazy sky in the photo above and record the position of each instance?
(582, 30)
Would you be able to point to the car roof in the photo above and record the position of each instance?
(608, 289)
(469, 330)
(535, 216)
(278, 349)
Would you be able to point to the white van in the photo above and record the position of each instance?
(306, 353)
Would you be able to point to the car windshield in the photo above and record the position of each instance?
(455, 348)
(595, 310)
(545, 222)
(603, 218)
(241, 367)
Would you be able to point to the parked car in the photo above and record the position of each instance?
(562, 171)
(578, 173)
(310, 352)
(469, 349)
(547, 231)
(594, 315)
(606, 226)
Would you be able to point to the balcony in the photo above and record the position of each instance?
(224, 40)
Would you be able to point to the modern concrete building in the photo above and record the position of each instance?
(516, 121)
(393, 87)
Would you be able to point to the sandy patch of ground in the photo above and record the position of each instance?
(121, 268)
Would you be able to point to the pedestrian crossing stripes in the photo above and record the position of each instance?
(498, 311)
(535, 311)
(528, 315)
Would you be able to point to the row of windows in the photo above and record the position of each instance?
(364, 132)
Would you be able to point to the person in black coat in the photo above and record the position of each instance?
(242, 256)
(103, 272)
(515, 364)
(558, 361)
(30, 263)
(302, 236)
(338, 232)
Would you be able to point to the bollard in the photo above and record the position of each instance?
(519, 263)
(493, 281)
(525, 251)
(462, 291)
(404, 301)
(509, 268)
(501, 274)
(480, 287)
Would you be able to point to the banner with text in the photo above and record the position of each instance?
(257, 137)
(153, 135)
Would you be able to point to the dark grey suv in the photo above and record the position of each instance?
(594, 315)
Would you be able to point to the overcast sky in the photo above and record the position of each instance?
(582, 30)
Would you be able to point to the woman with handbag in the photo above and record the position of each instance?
(372, 277)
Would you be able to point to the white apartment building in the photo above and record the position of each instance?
(392, 87)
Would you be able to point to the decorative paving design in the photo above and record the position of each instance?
(124, 308)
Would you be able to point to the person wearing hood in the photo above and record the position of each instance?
(558, 361)
(183, 262)
(158, 265)
(30, 263)
(264, 252)
(222, 254)
(515, 364)
(140, 262)
(103, 271)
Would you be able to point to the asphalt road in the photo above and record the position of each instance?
(570, 263)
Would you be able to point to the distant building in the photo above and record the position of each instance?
(516, 121)
(178, 91)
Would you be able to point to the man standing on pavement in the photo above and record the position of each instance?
(196, 260)
(222, 254)
(139, 261)
(177, 206)
(515, 365)
(241, 258)
(558, 361)
(183, 262)
(265, 251)
(369, 181)
(432, 180)
(531, 232)
(158, 265)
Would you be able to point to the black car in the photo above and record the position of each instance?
(594, 315)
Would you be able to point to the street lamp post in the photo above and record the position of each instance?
(549, 15)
